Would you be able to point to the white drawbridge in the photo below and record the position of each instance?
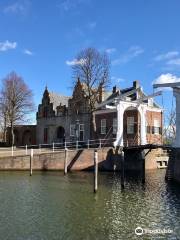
(121, 103)
(176, 93)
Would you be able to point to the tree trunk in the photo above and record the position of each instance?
(5, 134)
(93, 126)
(12, 134)
(5, 130)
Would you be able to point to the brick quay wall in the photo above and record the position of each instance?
(77, 160)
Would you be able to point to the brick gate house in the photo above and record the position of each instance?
(61, 118)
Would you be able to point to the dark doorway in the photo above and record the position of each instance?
(27, 138)
(60, 133)
(81, 132)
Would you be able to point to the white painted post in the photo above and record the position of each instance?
(122, 169)
(65, 144)
(99, 143)
(76, 145)
(88, 144)
(65, 161)
(26, 149)
(31, 161)
(95, 171)
(12, 151)
(119, 136)
(53, 146)
(143, 125)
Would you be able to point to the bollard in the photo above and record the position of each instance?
(31, 161)
(26, 149)
(53, 146)
(65, 161)
(12, 151)
(88, 144)
(99, 143)
(122, 169)
(39, 148)
(95, 171)
(76, 145)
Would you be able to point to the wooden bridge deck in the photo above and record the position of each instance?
(148, 146)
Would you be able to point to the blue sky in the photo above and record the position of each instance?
(40, 39)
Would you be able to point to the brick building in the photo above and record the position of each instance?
(61, 118)
(127, 121)
(131, 118)
(23, 135)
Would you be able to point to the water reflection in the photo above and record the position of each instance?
(49, 205)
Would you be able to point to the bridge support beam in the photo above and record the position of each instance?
(176, 93)
(142, 111)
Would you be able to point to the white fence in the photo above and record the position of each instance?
(54, 147)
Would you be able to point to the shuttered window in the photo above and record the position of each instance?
(103, 126)
(130, 125)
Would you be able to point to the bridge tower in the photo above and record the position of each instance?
(176, 93)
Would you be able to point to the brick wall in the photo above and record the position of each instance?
(23, 134)
(78, 160)
(109, 124)
(150, 116)
(130, 139)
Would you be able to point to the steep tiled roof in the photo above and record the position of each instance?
(56, 99)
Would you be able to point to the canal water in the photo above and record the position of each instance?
(51, 206)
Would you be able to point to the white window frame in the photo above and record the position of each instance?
(72, 130)
(130, 125)
(156, 126)
(81, 127)
(114, 125)
(103, 126)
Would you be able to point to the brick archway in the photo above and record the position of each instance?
(131, 126)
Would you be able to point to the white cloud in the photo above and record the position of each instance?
(131, 53)
(166, 78)
(117, 79)
(110, 50)
(20, 6)
(5, 46)
(68, 5)
(28, 52)
(166, 56)
(76, 62)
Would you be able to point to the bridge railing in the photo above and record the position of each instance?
(57, 146)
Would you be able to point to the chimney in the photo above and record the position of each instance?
(114, 89)
(136, 84)
(101, 94)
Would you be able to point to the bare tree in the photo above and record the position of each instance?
(92, 68)
(3, 117)
(169, 132)
(15, 101)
